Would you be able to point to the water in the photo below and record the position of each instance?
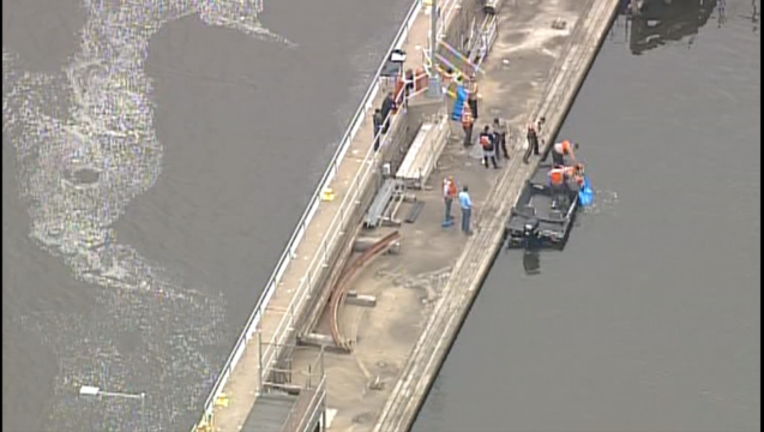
(649, 320)
(156, 156)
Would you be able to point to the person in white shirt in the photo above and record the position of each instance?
(449, 193)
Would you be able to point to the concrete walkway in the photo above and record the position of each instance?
(241, 389)
(423, 291)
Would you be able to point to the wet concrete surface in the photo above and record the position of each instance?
(649, 320)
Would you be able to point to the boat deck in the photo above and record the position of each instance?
(535, 206)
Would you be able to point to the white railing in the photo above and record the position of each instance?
(331, 234)
(447, 9)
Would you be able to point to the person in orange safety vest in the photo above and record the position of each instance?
(467, 122)
(562, 149)
(449, 193)
(558, 180)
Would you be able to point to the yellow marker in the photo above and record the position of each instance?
(204, 427)
(222, 400)
(327, 195)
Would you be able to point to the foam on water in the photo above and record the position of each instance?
(86, 147)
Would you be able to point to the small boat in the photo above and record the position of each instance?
(535, 219)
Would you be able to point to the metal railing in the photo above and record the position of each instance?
(331, 234)
(315, 397)
(447, 9)
(310, 399)
(486, 36)
(320, 260)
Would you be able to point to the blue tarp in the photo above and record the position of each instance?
(461, 95)
(586, 193)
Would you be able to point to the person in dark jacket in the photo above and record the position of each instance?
(486, 140)
(377, 119)
(472, 95)
(408, 86)
(500, 133)
(388, 105)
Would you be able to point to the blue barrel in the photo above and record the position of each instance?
(461, 95)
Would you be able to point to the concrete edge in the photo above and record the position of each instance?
(403, 405)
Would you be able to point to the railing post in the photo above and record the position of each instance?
(321, 359)
(291, 317)
(260, 370)
(323, 390)
(326, 259)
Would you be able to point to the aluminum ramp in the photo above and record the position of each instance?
(422, 156)
(377, 210)
(270, 413)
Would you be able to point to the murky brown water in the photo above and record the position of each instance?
(649, 320)
(156, 157)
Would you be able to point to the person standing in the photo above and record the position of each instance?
(465, 202)
(532, 131)
(558, 178)
(467, 123)
(388, 105)
(500, 137)
(562, 149)
(449, 193)
(408, 86)
(489, 146)
(472, 96)
(377, 120)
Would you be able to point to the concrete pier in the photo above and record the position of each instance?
(422, 293)
(589, 22)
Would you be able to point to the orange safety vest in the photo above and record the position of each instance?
(485, 141)
(557, 176)
(449, 188)
(562, 147)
